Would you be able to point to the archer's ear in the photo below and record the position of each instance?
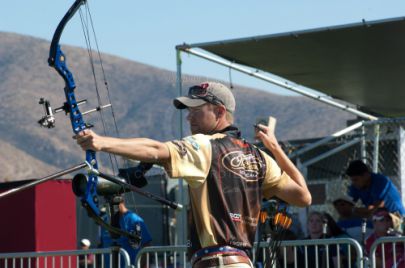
(220, 111)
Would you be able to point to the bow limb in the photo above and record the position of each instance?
(57, 60)
(58, 32)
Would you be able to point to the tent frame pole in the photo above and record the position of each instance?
(181, 215)
(284, 84)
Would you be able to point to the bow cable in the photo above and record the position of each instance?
(86, 33)
(87, 20)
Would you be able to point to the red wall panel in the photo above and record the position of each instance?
(42, 218)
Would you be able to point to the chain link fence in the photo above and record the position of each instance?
(380, 144)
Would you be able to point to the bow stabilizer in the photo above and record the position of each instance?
(274, 220)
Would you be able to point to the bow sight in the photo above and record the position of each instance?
(48, 120)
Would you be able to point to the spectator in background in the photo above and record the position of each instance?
(386, 224)
(334, 231)
(87, 259)
(374, 190)
(349, 222)
(129, 222)
(316, 223)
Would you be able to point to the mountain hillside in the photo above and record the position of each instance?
(141, 96)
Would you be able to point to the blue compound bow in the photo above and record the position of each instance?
(89, 197)
(57, 60)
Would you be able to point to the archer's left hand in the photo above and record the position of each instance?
(89, 140)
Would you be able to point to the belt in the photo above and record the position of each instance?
(215, 261)
(217, 250)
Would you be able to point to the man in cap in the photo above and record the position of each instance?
(350, 223)
(87, 259)
(227, 176)
(374, 190)
(85, 243)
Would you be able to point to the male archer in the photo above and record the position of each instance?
(227, 176)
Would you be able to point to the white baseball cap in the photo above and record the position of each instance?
(85, 242)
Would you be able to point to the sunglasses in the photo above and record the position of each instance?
(197, 92)
(381, 218)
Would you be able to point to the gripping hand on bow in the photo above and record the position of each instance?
(89, 140)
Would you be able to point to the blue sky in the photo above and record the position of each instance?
(147, 31)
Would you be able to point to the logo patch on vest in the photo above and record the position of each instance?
(246, 166)
(235, 217)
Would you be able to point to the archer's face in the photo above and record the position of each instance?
(202, 119)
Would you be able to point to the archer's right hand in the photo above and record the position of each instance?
(266, 136)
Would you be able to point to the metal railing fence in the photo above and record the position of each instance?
(386, 252)
(348, 254)
(165, 257)
(100, 258)
(317, 253)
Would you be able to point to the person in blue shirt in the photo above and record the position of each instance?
(132, 223)
(374, 190)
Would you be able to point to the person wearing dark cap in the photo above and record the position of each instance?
(374, 190)
(226, 175)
